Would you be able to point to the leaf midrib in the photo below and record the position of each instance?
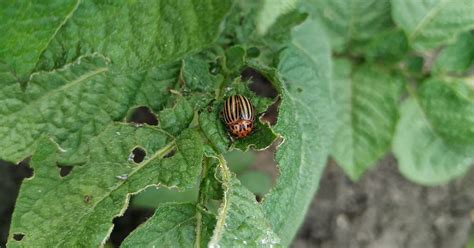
(427, 18)
(60, 26)
(64, 87)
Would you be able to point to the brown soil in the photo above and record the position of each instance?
(384, 209)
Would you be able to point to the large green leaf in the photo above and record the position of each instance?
(423, 155)
(27, 28)
(87, 84)
(173, 225)
(351, 20)
(429, 24)
(136, 34)
(304, 122)
(93, 194)
(366, 100)
(434, 139)
(74, 104)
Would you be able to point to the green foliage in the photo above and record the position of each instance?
(378, 65)
(351, 22)
(366, 100)
(457, 57)
(429, 24)
(73, 72)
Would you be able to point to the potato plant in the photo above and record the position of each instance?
(355, 80)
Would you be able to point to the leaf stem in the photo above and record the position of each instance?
(226, 176)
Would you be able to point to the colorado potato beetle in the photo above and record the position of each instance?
(239, 116)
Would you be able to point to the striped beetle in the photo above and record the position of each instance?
(239, 116)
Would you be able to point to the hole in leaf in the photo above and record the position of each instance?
(143, 205)
(87, 199)
(64, 170)
(137, 155)
(259, 84)
(18, 236)
(170, 154)
(125, 224)
(256, 170)
(271, 115)
(24, 168)
(142, 115)
(11, 177)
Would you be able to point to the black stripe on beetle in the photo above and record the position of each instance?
(239, 116)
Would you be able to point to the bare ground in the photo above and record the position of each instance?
(384, 209)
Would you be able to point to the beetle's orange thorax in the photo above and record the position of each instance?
(241, 128)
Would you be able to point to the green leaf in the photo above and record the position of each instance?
(136, 34)
(456, 58)
(449, 105)
(424, 156)
(304, 122)
(387, 47)
(241, 220)
(235, 58)
(74, 104)
(350, 21)
(82, 91)
(176, 119)
(429, 24)
(270, 11)
(173, 225)
(196, 75)
(27, 29)
(93, 194)
(366, 100)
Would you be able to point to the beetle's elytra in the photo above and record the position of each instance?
(239, 116)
